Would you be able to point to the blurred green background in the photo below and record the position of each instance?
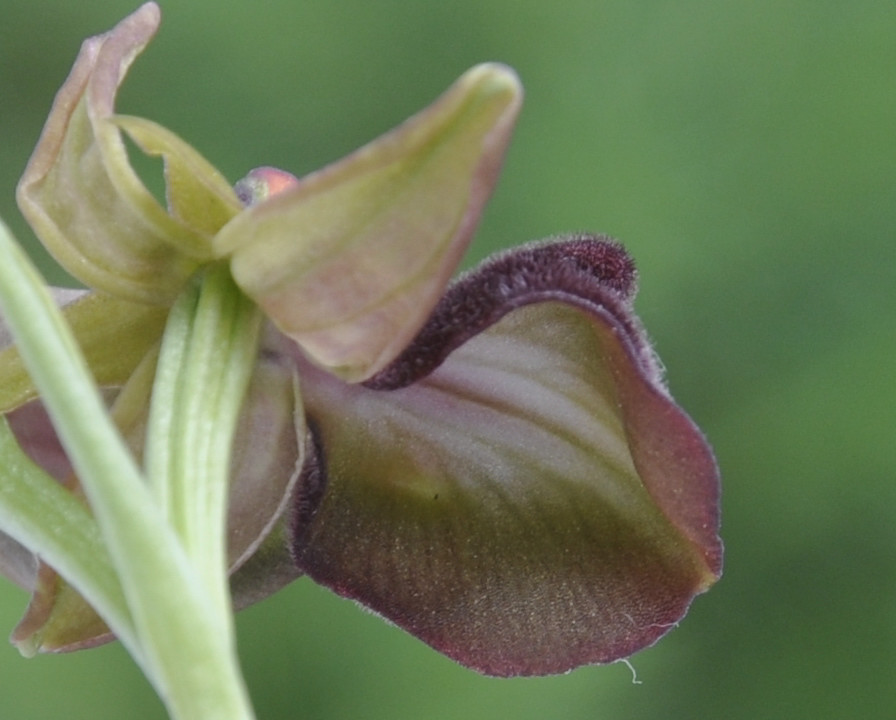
(746, 155)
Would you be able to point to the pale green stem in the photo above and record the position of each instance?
(188, 656)
(208, 353)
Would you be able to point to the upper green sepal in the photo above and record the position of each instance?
(350, 260)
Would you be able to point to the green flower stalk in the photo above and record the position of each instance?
(282, 379)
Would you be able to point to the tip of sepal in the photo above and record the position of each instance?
(492, 79)
(350, 260)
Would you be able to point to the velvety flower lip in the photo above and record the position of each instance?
(535, 273)
(517, 489)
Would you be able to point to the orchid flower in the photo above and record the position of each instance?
(494, 463)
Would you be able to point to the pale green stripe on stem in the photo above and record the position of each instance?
(207, 357)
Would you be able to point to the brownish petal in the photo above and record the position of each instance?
(518, 489)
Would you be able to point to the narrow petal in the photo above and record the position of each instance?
(528, 500)
(199, 196)
(350, 261)
(80, 194)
